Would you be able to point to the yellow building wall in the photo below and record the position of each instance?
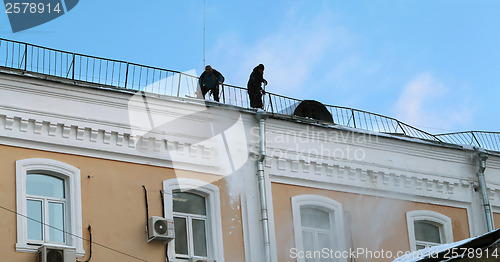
(113, 204)
(377, 223)
(496, 220)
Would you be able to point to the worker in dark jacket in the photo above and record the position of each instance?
(254, 86)
(209, 81)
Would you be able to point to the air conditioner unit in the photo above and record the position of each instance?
(48, 253)
(160, 228)
(199, 259)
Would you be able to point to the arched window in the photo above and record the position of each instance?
(190, 220)
(428, 228)
(49, 205)
(318, 225)
(46, 208)
(194, 206)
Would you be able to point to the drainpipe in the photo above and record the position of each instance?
(261, 116)
(484, 193)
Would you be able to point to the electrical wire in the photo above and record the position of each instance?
(90, 246)
(147, 209)
(163, 208)
(71, 234)
(162, 202)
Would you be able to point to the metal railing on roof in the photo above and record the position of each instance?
(487, 140)
(95, 70)
(350, 117)
(136, 77)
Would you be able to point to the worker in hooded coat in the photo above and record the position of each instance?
(254, 86)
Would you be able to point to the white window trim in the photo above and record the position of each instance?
(324, 203)
(71, 175)
(211, 192)
(441, 220)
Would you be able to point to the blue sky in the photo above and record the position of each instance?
(434, 64)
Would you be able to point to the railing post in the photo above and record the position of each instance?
(25, 57)
(271, 103)
(399, 124)
(73, 74)
(223, 95)
(179, 87)
(353, 118)
(126, 77)
(474, 136)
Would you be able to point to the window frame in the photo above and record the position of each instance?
(329, 205)
(213, 223)
(46, 201)
(441, 221)
(189, 227)
(73, 205)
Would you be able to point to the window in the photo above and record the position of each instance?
(428, 229)
(318, 224)
(49, 204)
(45, 202)
(195, 207)
(190, 217)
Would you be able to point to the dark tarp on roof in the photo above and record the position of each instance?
(313, 109)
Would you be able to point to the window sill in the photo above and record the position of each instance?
(33, 248)
(187, 259)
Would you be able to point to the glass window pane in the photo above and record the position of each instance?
(308, 238)
(324, 241)
(425, 231)
(44, 185)
(315, 218)
(181, 246)
(189, 203)
(199, 238)
(34, 209)
(56, 221)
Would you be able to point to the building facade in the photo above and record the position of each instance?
(86, 165)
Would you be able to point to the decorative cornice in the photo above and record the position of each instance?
(45, 132)
(361, 179)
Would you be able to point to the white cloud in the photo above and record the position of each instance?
(429, 104)
(292, 53)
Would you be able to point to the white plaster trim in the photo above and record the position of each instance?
(441, 220)
(71, 175)
(211, 192)
(351, 136)
(327, 204)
